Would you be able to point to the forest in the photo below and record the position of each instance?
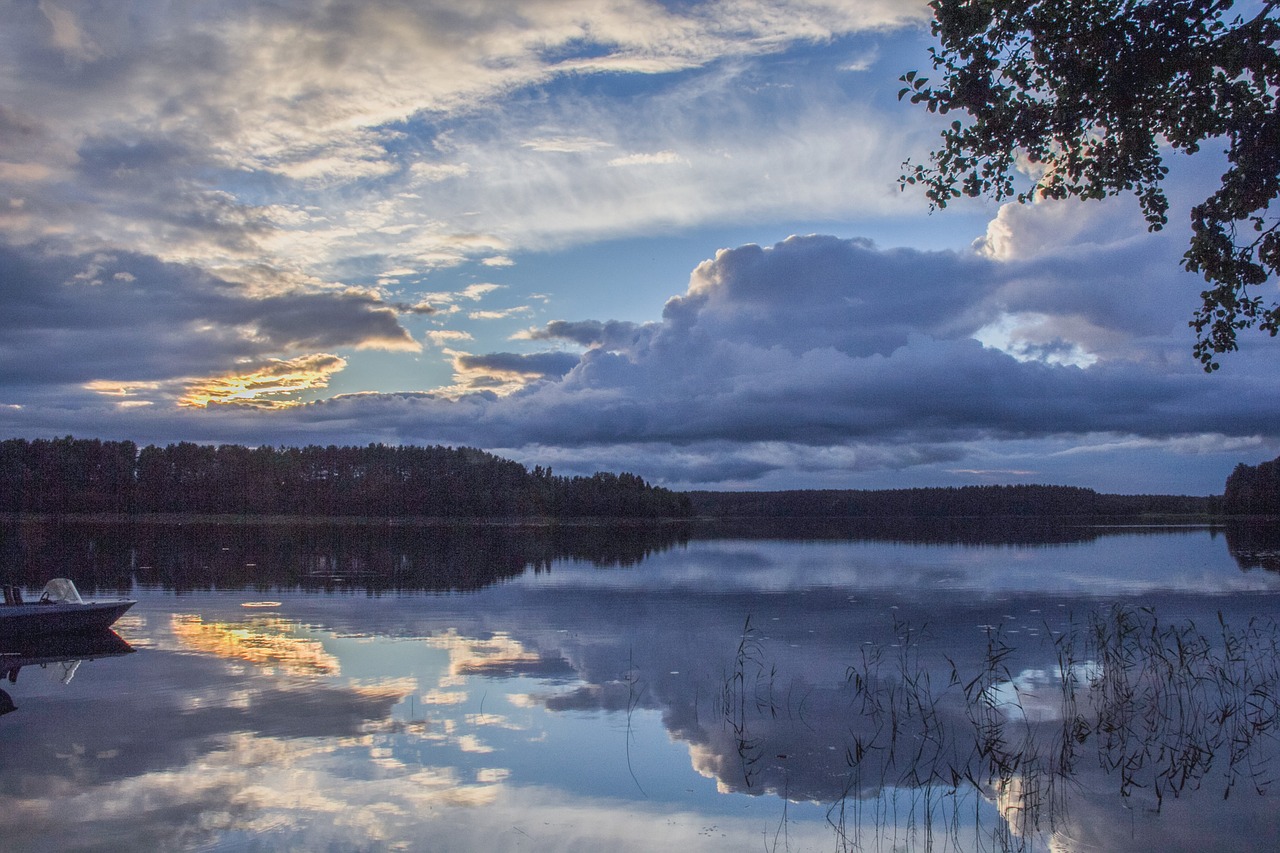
(88, 476)
(962, 501)
(75, 476)
(1253, 489)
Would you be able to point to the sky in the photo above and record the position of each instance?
(658, 237)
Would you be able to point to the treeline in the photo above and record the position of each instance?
(89, 476)
(68, 475)
(1254, 489)
(972, 501)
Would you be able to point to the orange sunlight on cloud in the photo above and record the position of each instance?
(264, 386)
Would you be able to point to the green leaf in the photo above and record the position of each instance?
(1095, 90)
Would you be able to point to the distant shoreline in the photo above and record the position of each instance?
(1154, 520)
(232, 519)
(118, 482)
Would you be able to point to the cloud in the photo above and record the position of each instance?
(853, 357)
(470, 293)
(817, 357)
(565, 144)
(72, 320)
(436, 172)
(272, 385)
(500, 314)
(610, 335)
(659, 158)
(444, 337)
(505, 373)
(280, 142)
(862, 62)
(698, 151)
(540, 364)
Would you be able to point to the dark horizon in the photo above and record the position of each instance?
(120, 476)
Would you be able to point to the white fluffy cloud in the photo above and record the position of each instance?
(291, 135)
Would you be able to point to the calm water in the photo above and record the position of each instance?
(347, 688)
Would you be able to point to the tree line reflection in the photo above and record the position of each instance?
(323, 555)
(1255, 544)
(320, 555)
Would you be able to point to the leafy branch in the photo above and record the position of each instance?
(1088, 95)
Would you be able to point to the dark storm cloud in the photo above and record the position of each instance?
(127, 317)
(867, 358)
(813, 292)
(17, 129)
(590, 333)
(318, 321)
(110, 160)
(815, 355)
(539, 364)
(819, 340)
(155, 179)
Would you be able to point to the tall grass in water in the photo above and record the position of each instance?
(747, 692)
(1175, 709)
(1131, 707)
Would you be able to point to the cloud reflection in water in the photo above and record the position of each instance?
(601, 708)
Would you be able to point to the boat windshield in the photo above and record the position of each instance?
(61, 590)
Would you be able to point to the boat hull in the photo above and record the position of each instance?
(20, 621)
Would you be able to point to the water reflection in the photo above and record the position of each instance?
(270, 643)
(1255, 545)
(61, 655)
(384, 557)
(188, 556)
(719, 695)
(1131, 708)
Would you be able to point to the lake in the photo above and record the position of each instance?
(784, 686)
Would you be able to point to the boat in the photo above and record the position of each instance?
(67, 651)
(59, 610)
(64, 648)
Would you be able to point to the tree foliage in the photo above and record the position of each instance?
(1087, 93)
(69, 475)
(947, 502)
(1254, 489)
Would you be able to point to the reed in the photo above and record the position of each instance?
(1131, 704)
(748, 691)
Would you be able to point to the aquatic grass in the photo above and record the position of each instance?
(634, 696)
(746, 692)
(1174, 709)
(1148, 709)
